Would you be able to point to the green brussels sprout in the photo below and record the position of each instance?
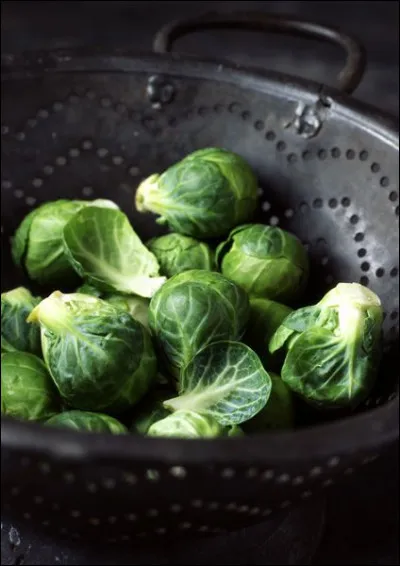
(177, 253)
(27, 390)
(16, 333)
(100, 358)
(266, 261)
(104, 249)
(150, 410)
(138, 307)
(37, 245)
(188, 424)
(278, 413)
(265, 317)
(87, 289)
(86, 421)
(193, 309)
(333, 348)
(204, 196)
(225, 380)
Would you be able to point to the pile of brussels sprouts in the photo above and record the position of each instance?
(179, 336)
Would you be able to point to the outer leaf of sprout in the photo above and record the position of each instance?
(86, 421)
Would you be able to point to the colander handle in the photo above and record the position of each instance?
(349, 77)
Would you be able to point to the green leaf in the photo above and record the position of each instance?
(86, 421)
(16, 333)
(104, 249)
(225, 380)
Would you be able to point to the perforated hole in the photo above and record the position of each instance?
(292, 158)
(259, 125)
(365, 266)
(384, 182)
(61, 160)
(335, 152)
(333, 203)
(234, 107)
(346, 202)
(394, 272)
(380, 272)
(364, 155)
(322, 154)
(281, 146)
(350, 154)
(375, 167)
(270, 136)
(306, 155)
(317, 203)
(364, 280)
(393, 196)
(362, 252)
(218, 108)
(354, 219)
(359, 237)
(274, 220)
(246, 115)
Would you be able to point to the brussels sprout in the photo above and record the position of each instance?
(138, 307)
(265, 317)
(16, 333)
(177, 253)
(104, 249)
(266, 261)
(87, 421)
(225, 380)
(277, 413)
(100, 358)
(333, 348)
(205, 195)
(193, 309)
(150, 410)
(188, 424)
(27, 390)
(87, 289)
(37, 245)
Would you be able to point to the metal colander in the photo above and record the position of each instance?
(79, 125)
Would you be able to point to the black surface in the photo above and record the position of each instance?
(362, 517)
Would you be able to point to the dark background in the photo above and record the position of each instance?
(362, 517)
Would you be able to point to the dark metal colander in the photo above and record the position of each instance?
(77, 125)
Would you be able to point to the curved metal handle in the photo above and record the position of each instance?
(350, 75)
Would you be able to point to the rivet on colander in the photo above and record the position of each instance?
(61, 161)
(94, 521)
(125, 538)
(6, 184)
(285, 504)
(48, 169)
(20, 136)
(112, 519)
(4, 130)
(117, 160)
(161, 531)
(243, 508)
(266, 206)
(15, 491)
(55, 507)
(327, 483)
(231, 507)
(74, 152)
(178, 472)
(38, 499)
(27, 516)
(348, 471)
(213, 505)
(75, 513)
(57, 106)
(186, 525)
(91, 487)
(266, 512)
(152, 475)
(30, 201)
(131, 517)
(63, 531)
(197, 503)
(18, 193)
